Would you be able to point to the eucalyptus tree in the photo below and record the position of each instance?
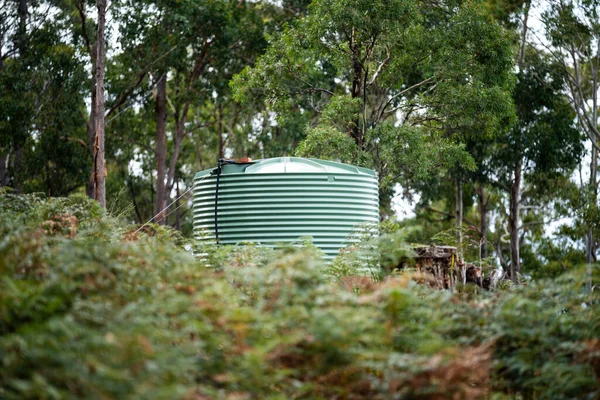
(186, 53)
(542, 148)
(41, 101)
(82, 29)
(56, 155)
(518, 171)
(523, 169)
(394, 85)
(573, 32)
(16, 112)
(93, 41)
(99, 166)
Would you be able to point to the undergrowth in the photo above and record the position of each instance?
(89, 308)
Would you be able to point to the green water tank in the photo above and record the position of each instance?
(280, 200)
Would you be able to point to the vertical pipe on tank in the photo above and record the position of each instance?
(218, 171)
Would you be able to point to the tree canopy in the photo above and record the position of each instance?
(483, 112)
(390, 76)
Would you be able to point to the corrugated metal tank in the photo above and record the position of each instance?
(280, 200)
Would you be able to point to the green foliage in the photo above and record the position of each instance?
(532, 356)
(545, 134)
(423, 92)
(390, 75)
(41, 113)
(328, 143)
(373, 255)
(407, 156)
(88, 308)
(470, 244)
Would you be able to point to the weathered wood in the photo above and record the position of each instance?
(444, 264)
(161, 146)
(99, 119)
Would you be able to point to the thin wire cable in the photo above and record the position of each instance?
(174, 201)
(176, 208)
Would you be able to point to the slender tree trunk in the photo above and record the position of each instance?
(459, 211)
(459, 223)
(180, 120)
(515, 190)
(521, 55)
(590, 257)
(513, 220)
(161, 144)
(590, 251)
(179, 135)
(220, 129)
(590, 245)
(483, 220)
(22, 24)
(152, 197)
(19, 143)
(356, 88)
(91, 122)
(99, 161)
(91, 128)
(177, 212)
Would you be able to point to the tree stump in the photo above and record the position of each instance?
(441, 262)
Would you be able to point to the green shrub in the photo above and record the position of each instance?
(91, 309)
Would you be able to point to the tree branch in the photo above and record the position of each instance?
(452, 216)
(126, 93)
(80, 9)
(402, 92)
(380, 66)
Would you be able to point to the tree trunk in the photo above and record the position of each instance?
(459, 213)
(22, 24)
(99, 162)
(161, 145)
(180, 120)
(91, 128)
(179, 135)
(521, 54)
(177, 212)
(590, 251)
(152, 192)
(513, 220)
(356, 88)
(220, 130)
(590, 245)
(19, 143)
(515, 190)
(483, 221)
(590, 257)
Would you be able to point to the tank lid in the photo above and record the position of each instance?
(297, 164)
(281, 165)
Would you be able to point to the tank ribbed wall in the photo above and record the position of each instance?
(272, 208)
